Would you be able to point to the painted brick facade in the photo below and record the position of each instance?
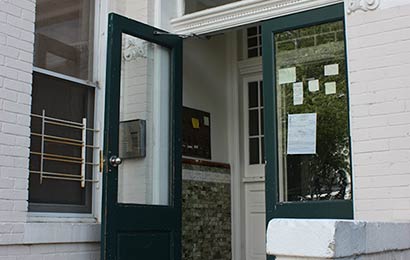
(379, 68)
(16, 55)
(379, 74)
(76, 251)
(17, 238)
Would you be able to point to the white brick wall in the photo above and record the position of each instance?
(379, 66)
(89, 251)
(16, 54)
(16, 65)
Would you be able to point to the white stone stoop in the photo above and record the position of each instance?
(297, 239)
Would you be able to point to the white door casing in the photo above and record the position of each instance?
(253, 179)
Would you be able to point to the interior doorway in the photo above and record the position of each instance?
(221, 192)
(223, 188)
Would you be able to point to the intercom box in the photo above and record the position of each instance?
(132, 139)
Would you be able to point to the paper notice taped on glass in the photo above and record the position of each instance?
(330, 88)
(313, 85)
(287, 75)
(206, 121)
(302, 133)
(332, 70)
(298, 93)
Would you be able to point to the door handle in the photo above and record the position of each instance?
(115, 161)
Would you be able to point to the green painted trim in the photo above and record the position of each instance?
(274, 209)
(129, 217)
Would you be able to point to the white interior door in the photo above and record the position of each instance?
(253, 174)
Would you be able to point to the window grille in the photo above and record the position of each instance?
(79, 143)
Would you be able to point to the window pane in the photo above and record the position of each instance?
(192, 6)
(263, 149)
(252, 42)
(253, 94)
(144, 97)
(253, 122)
(68, 101)
(253, 53)
(254, 151)
(64, 37)
(262, 122)
(252, 31)
(319, 65)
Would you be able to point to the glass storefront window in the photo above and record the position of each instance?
(192, 6)
(312, 109)
(64, 37)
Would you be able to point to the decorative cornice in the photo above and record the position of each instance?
(241, 13)
(364, 5)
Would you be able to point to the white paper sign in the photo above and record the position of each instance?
(298, 93)
(302, 134)
(287, 75)
(313, 85)
(330, 88)
(206, 121)
(331, 70)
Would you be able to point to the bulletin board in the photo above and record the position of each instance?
(196, 133)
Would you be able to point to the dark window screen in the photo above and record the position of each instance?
(68, 101)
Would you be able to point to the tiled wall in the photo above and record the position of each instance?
(206, 213)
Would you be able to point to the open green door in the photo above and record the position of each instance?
(142, 136)
(307, 139)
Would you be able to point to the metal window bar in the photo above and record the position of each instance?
(47, 138)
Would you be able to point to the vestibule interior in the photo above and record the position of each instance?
(223, 208)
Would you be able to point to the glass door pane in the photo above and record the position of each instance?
(143, 175)
(312, 111)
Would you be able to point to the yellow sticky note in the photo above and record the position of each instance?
(195, 123)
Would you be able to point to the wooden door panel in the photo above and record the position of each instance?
(142, 221)
(255, 221)
(147, 245)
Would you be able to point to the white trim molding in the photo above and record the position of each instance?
(364, 5)
(241, 13)
(250, 66)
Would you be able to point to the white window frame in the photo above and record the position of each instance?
(98, 75)
(252, 171)
(245, 41)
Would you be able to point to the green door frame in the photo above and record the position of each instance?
(342, 209)
(143, 220)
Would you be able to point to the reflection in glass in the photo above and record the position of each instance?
(325, 175)
(145, 95)
(64, 37)
(192, 6)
